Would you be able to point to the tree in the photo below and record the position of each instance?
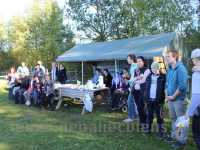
(40, 35)
(114, 19)
(98, 19)
(47, 35)
(2, 36)
(17, 37)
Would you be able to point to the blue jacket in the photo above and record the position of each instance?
(177, 78)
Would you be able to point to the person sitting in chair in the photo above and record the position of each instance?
(119, 87)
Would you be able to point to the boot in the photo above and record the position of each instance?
(161, 130)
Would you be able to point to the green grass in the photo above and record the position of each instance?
(23, 128)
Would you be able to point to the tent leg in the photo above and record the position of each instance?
(115, 66)
(82, 73)
(116, 69)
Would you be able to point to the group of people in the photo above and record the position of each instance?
(36, 88)
(150, 89)
(147, 89)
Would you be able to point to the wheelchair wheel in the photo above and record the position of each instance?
(124, 108)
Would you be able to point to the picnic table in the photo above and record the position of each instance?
(77, 93)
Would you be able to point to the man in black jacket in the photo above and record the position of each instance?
(155, 97)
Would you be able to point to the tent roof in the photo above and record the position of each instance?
(147, 46)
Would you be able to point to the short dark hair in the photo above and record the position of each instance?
(98, 70)
(132, 57)
(174, 53)
(106, 70)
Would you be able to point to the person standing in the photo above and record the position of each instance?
(139, 91)
(62, 75)
(38, 72)
(132, 110)
(176, 89)
(23, 70)
(54, 72)
(194, 108)
(41, 66)
(155, 96)
(107, 78)
(48, 92)
(97, 74)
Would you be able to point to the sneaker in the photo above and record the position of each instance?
(169, 139)
(178, 146)
(128, 120)
(160, 136)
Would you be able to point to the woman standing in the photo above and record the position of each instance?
(62, 75)
(139, 91)
(107, 78)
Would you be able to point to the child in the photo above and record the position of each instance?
(37, 91)
(194, 108)
(11, 82)
(155, 92)
(49, 92)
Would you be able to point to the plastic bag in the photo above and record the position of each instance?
(88, 105)
(182, 127)
(182, 122)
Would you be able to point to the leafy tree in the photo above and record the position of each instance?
(47, 35)
(2, 36)
(113, 19)
(40, 35)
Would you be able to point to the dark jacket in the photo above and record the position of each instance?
(62, 76)
(39, 73)
(160, 90)
(108, 80)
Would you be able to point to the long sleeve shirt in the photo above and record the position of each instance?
(177, 79)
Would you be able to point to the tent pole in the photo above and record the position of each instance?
(82, 72)
(115, 66)
(116, 69)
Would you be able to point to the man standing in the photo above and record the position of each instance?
(132, 110)
(176, 89)
(54, 72)
(39, 73)
(41, 66)
(23, 70)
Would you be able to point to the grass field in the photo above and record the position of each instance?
(23, 128)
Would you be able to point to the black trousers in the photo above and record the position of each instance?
(196, 130)
(155, 108)
(49, 100)
(140, 103)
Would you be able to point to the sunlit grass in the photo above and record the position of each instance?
(24, 128)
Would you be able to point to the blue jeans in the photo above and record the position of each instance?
(177, 108)
(132, 109)
(37, 97)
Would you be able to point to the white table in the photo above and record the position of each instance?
(76, 92)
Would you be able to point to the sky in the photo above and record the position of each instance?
(9, 8)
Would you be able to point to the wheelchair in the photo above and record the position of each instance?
(122, 103)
